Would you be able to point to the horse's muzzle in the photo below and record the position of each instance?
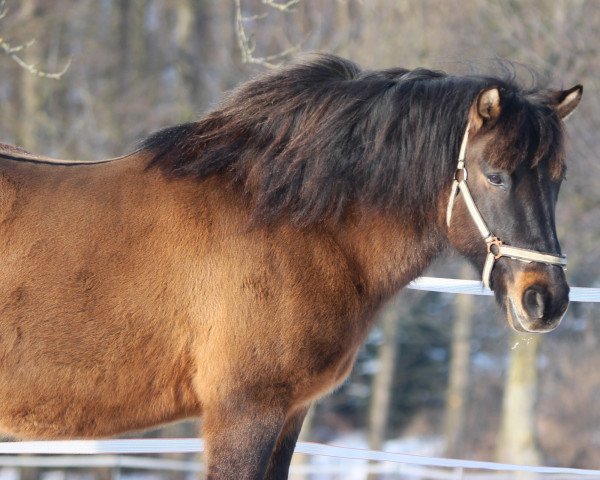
(537, 300)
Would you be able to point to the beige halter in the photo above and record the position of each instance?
(495, 248)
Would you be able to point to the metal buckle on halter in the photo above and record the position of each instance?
(495, 242)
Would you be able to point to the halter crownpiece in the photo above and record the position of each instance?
(495, 248)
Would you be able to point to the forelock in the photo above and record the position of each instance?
(528, 131)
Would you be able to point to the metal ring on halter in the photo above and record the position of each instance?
(495, 242)
(464, 172)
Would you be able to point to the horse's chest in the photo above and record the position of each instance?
(325, 354)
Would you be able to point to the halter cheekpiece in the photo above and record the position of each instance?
(495, 248)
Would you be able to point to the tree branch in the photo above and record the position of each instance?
(12, 52)
(246, 43)
(282, 7)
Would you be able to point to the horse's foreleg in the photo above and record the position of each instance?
(284, 449)
(240, 441)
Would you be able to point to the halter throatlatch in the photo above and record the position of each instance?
(495, 248)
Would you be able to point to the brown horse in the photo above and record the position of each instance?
(231, 267)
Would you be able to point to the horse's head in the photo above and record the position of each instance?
(501, 209)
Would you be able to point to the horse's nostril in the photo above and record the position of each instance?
(533, 301)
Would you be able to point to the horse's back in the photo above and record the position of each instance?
(33, 190)
(15, 153)
(12, 150)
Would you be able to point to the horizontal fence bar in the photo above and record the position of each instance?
(356, 453)
(104, 447)
(123, 462)
(100, 461)
(193, 445)
(475, 287)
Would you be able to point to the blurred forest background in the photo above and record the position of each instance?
(440, 374)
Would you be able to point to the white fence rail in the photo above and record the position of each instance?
(103, 453)
(474, 287)
(413, 466)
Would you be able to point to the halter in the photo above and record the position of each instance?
(495, 248)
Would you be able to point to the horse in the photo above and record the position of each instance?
(231, 267)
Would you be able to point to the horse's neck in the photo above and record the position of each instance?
(387, 252)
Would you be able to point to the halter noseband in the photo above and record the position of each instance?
(495, 248)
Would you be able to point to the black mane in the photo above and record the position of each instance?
(306, 141)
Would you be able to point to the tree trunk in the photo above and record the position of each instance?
(382, 383)
(517, 437)
(458, 381)
(379, 410)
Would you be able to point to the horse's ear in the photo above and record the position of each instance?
(566, 101)
(488, 104)
(486, 108)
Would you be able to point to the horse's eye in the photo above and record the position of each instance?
(495, 179)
